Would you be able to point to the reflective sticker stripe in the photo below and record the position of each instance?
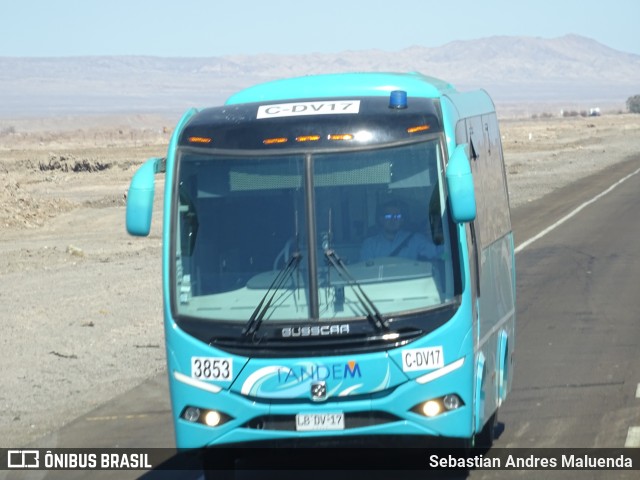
(209, 387)
(429, 377)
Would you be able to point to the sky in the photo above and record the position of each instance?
(209, 28)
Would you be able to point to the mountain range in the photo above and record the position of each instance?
(515, 70)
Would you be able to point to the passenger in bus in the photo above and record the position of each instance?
(394, 241)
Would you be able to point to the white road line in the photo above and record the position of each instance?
(526, 243)
(638, 391)
(633, 438)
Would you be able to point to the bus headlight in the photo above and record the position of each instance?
(439, 405)
(210, 418)
(431, 408)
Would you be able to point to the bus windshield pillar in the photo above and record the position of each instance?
(314, 305)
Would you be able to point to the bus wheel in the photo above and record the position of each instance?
(484, 438)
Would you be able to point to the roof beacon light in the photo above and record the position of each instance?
(398, 99)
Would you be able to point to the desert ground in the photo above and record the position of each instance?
(80, 300)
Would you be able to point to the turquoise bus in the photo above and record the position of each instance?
(338, 264)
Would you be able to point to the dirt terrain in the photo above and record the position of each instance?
(80, 300)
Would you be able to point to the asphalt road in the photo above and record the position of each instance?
(578, 328)
(577, 362)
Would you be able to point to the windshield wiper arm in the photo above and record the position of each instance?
(260, 311)
(367, 304)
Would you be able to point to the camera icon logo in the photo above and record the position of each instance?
(23, 459)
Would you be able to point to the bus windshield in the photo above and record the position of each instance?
(310, 236)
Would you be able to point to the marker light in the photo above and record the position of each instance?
(308, 138)
(418, 128)
(363, 136)
(431, 408)
(398, 99)
(341, 136)
(273, 141)
(212, 418)
(199, 140)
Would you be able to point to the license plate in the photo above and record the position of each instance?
(306, 422)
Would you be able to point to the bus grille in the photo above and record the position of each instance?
(351, 420)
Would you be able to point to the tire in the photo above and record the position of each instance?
(484, 439)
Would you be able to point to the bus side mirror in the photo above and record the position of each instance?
(140, 198)
(462, 198)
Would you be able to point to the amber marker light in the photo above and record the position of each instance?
(419, 128)
(275, 141)
(199, 140)
(341, 136)
(308, 138)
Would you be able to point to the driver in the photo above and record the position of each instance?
(394, 241)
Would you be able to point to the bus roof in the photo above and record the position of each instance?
(312, 124)
(344, 84)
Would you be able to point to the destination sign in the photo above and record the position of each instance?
(309, 108)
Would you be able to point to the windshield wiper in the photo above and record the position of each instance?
(373, 314)
(260, 311)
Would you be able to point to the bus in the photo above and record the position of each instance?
(338, 264)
